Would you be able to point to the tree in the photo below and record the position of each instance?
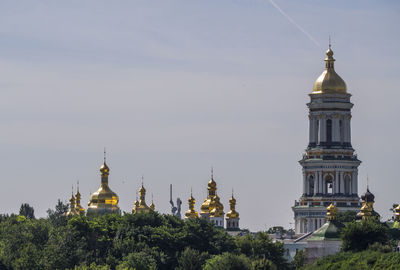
(27, 211)
(358, 236)
(138, 261)
(276, 229)
(260, 246)
(57, 217)
(191, 259)
(299, 260)
(347, 216)
(228, 261)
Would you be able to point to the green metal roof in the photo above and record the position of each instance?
(328, 232)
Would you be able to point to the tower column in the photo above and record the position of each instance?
(336, 186)
(342, 187)
(319, 173)
(354, 181)
(304, 183)
(341, 183)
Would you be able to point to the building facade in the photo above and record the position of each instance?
(330, 165)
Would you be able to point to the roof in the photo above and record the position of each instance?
(330, 231)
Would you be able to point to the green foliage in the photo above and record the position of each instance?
(347, 216)
(27, 211)
(369, 260)
(276, 229)
(260, 246)
(228, 261)
(138, 261)
(191, 259)
(358, 236)
(57, 216)
(298, 260)
(140, 241)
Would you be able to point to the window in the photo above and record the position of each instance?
(311, 185)
(329, 130)
(347, 182)
(329, 184)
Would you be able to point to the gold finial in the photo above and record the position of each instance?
(104, 154)
(212, 172)
(331, 212)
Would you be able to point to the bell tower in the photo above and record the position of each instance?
(329, 165)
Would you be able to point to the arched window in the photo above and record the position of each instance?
(311, 185)
(317, 131)
(347, 182)
(329, 184)
(329, 131)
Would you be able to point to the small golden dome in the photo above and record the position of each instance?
(216, 207)
(141, 206)
(329, 82)
(232, 212)
(191, 213)
(78, 205)
(72, 211)
(331, 212)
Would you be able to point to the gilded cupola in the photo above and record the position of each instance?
(329, 82)
(191, 212)
(211, 191)
(331, 212)
(72, 211)
(232, 212)
(78, 205)
(216, 207)
(104, 200)
(141, 206)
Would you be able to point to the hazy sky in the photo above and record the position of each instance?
(172, 88)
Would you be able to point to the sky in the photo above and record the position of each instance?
(172, 88)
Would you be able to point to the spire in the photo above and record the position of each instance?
(152, 206)
(78, 207)
(104, 170)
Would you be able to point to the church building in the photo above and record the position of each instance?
(330, 165)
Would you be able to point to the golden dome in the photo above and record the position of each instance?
(191, 213)
(216, 207)
(72, 211)
(232, 212)
(211, 189)
(104, 200)
(329, 82)
(331, 212)
(78, 206)
(141, 206)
